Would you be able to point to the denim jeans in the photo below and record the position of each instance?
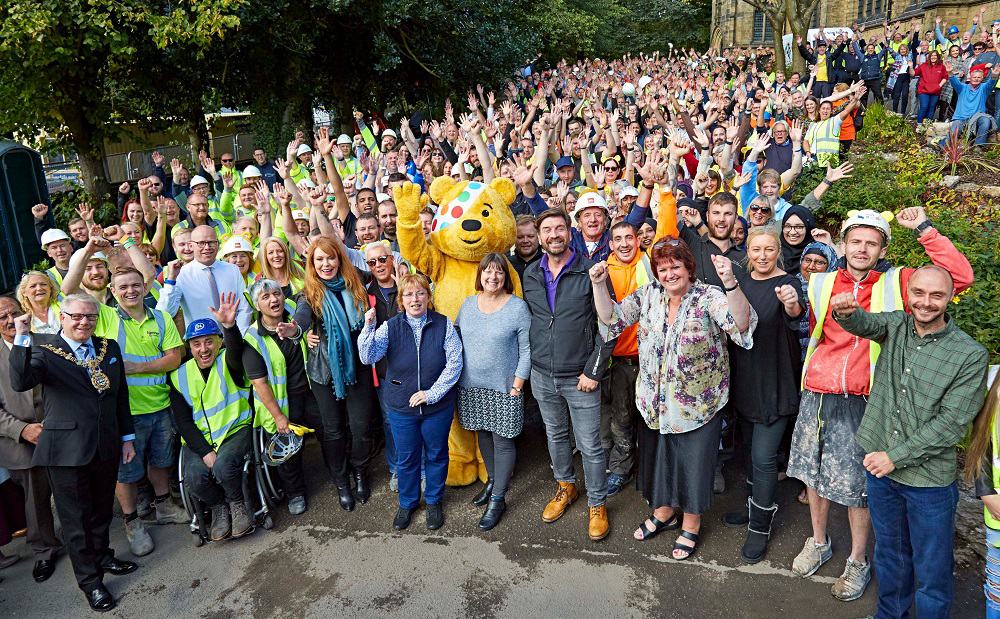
(981, 130)
(992, 586)
(224, 481)
(390, 445)
(927, 105)
(560, 402)
(914, 533)
(418, 437)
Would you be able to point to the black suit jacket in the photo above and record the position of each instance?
(79, 422)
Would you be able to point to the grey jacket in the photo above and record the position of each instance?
(17, 409)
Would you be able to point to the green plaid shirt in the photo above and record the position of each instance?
(926, 391)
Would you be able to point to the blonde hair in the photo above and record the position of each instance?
(291, 269)
(982, 434)
(769, 231)
(413, 280)
(22, 290)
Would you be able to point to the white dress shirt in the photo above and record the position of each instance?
(193, 293)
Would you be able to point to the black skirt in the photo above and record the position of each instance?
(676, 470)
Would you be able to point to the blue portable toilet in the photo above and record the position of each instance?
(22, 185)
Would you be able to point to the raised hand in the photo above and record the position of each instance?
(911, 217)
(795, 131)
(724, 269)
(742, 179)
(287, 330)
(158, 158)
(86, 212)
(822, 236)
(323, 143)
(844, 304)
(174, 268)
(175, 166)
(40, 211)
(599, 272)
(281, 168)
(788, 297)
(842, 171)
(124, 188)
(225, 314)
(22, 324)
(112, 233)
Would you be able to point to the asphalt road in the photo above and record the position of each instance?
(329, 562)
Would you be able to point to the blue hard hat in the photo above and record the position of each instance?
(564, 162)
(952, 29)
(202, 327)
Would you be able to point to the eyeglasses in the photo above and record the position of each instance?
(794, 228)
(81, 317)
(380, 260)
(763, 209)
(415, 294)
(9, 316)
(205, 244)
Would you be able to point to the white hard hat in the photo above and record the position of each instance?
(590, 199)
(629, 190)
(303, 149)
(628, 89)
(78, 256)
(382, 197)
(643, 82)
(344, 139)
(390, 132)
(52, 235)
(198, 180)
(252, 171)
(869, 219)
(236, 243)
(299, 214)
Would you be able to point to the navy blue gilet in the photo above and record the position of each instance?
(408, 370)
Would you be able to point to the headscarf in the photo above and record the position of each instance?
(791, 255)
(821, 249)
(746, 230)
(340, 318)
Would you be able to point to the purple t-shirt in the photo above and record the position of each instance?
(552, 282)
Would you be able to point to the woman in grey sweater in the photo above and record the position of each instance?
(497, 361)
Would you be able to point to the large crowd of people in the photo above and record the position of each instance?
(663, 304)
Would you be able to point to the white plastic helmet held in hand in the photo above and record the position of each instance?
(628, 89)
(281, 447)
(643, 82)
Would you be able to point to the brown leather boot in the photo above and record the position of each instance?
(565, 495)
(599, 526)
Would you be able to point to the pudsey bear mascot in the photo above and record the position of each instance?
(472, 220)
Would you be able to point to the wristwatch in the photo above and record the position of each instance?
(926, 224)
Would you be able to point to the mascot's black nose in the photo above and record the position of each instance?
(472, 225)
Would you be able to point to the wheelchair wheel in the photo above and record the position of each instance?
(266, 476)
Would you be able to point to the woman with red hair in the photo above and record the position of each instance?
(333, 303)
(683, 380)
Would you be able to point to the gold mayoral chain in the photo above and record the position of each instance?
(98, 378)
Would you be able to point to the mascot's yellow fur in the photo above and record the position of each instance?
(472, 220)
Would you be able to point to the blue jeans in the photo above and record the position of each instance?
(559, 402)
(982, 129)
(390, 445)
(927, 105)
(992, 586)
(914, 532)
(418, 437)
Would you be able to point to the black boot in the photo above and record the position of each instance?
(739, 519)
(484, 495)
(758, 531)
(346, 498)
(493, 514)
(361, 487)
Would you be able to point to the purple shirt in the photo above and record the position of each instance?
(551, 283)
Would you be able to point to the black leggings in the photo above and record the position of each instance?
(347, 420)
(761, 444)
(874, 87)
(499, 454)
(901, 93)
(302, 410)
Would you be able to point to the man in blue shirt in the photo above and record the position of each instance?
(971, 106)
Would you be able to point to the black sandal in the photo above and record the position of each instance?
(688, 549)
(672, 523)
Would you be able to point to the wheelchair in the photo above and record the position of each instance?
(261, 490)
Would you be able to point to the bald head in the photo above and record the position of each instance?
(933, 276)
(206, 244)
(928, 293)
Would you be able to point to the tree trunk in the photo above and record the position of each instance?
(778, 26)
(90, 151)
(799, 14)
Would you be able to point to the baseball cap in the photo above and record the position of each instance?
(52, 235)
(343, 139)
(299, 214)
(565, 162)
(201, 328)
(628, 191)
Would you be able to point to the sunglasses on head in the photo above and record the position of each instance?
(380, 260)
(667, 243)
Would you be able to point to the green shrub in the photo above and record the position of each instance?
(883, 128)
(64, 203)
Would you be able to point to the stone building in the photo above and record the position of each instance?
(736, 23)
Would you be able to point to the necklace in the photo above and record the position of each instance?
(98, 378)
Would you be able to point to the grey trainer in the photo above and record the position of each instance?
(221, 526)
(242, 521)
(852, 583)
(812, 557)
(140, 543)
(168, 512)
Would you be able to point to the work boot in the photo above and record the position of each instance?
(242, 520)
(852, 583)
(140, 543)
(812, 557)
(598, 527)
(168, 512)
(565, 495)
(758, 531)
(221, 525)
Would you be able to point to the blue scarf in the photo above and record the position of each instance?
(339, 325)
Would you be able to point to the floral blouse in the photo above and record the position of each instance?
(683, 367)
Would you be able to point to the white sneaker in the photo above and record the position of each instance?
(852, 583)
(812, 557)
